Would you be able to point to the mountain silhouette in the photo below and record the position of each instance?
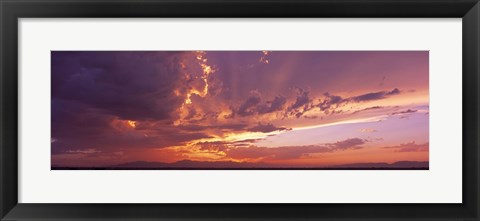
(231, 165)
(192, 164)
(399, 164)
(189, 164)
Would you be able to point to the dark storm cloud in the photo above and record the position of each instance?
(71, 120)
(58, 147)
(134, 86)
(108, 139)
(94, 94)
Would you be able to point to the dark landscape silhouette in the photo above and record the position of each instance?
(220, 165)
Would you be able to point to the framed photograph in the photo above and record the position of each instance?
(228, 110)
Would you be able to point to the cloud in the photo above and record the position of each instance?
(266, 128)
(393, 92)
(248, 107)
(75, 126)
(134, 102)
(213, 146)
(253, 105)
(264, 57)
(368, 109)
(330, 103)
(99, 81)
(375, 95)
(368, 130)
(346, 144)
(301, 100)
(410, 147)
(98, 96)
(276, 104)
(293, 152)
(227, 127)
(86, 151)
(303, 103)
(224, 145)
(247, 142)
(409, 111)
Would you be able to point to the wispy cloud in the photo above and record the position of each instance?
(410, 147)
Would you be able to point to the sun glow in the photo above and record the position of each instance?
(132, 123)
(206, 71)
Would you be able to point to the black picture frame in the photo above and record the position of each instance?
(12, 10)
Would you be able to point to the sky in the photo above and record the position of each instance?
(279, 108)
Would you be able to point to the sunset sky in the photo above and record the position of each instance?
(281, 108)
